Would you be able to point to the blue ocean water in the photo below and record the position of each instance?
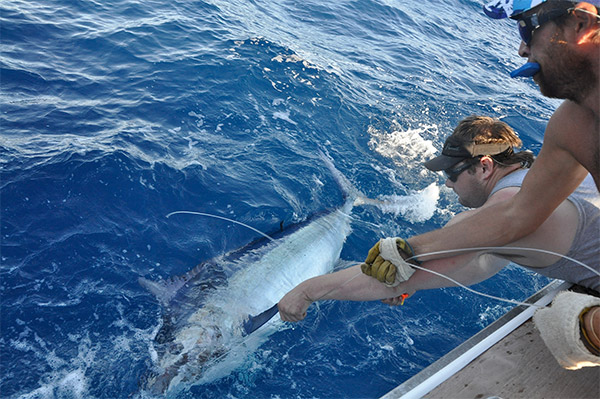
(116, 113)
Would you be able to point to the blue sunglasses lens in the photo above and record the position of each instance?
(525, 30)
(528, 25)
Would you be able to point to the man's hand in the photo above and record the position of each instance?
(386, 263)
(293, 306)
(399, 300)
(381, 269)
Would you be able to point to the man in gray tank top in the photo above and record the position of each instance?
(482, 167)
(481, 180)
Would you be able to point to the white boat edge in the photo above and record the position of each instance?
(441, 370)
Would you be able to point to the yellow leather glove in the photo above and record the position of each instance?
(393, 270)
(379, 268)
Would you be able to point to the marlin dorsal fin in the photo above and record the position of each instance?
(163, 290)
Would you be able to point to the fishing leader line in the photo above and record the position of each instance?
(539, 250)
(222, 218)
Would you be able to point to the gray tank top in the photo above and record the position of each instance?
(586, 244)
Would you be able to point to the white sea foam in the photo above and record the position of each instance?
(416, 207)
(403, 146)
(73, 384)
(408, 150)
(283, 115)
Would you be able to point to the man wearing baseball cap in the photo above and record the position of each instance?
(561, 42)
(483, 167)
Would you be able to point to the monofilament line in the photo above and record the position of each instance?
(222, 218)
(544, 251)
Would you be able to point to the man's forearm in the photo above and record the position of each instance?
(466, 269)
(347, 285)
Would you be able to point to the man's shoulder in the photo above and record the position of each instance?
(572, 132)
(572, 106)
(508, 185)
(502, 194)
(569, 118)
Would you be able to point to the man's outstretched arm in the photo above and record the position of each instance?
(352, 285)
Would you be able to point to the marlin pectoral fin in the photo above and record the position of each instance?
(254, 322)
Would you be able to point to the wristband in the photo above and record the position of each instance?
(413, 256)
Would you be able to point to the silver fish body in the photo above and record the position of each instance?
(202, 337)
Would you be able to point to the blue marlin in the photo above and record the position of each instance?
(207, 332)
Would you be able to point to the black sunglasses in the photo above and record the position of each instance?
(453, 173)
(528, 25)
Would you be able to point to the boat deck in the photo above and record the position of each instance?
(503, 361)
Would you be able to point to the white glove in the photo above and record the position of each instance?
(559, 328)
